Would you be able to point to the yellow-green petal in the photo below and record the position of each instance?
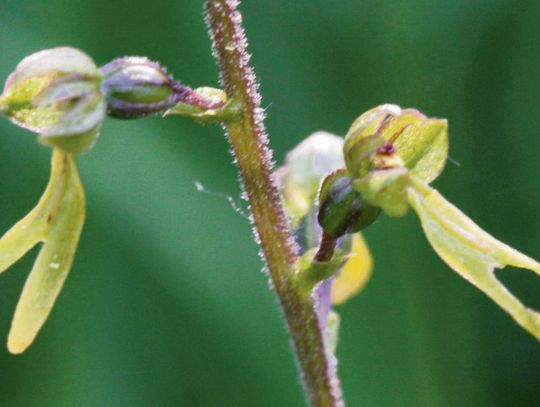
(17, 241)
(60, 217)
(472, 252)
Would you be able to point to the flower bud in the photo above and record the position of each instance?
(136, 87)
(420, 142)
(305, 166)
(341, 208)
(56, 93)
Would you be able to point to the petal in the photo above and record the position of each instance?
(65, 220)
(17, 241)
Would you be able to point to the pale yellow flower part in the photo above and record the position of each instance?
(472, 252)
(355, 274)
(56, 222)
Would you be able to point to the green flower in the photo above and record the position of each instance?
(57, 94)
(394, 154)
(61, 95)
(391, 155)
(306, 166)
(386, 146)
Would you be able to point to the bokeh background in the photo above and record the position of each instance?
(166, 304)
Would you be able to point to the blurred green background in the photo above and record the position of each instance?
(166, 304)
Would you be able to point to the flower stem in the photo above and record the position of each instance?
(248, 139)
(326, 248)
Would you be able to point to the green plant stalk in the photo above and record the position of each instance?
(253, 158)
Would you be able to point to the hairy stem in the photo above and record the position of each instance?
(253, 158)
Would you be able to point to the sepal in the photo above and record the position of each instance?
(386, 189)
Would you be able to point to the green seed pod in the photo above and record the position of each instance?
(307, 233)
(341, 208)
(56, 93)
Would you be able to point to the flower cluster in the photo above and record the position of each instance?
(62, 95)
(334, 188)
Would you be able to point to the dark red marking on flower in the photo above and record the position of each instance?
(387, 149)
